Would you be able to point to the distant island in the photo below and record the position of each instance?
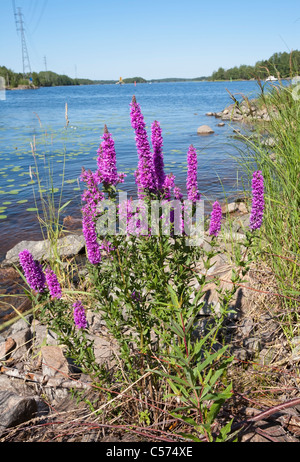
(281, 65)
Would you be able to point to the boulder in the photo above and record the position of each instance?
(15, 409)
(204, 130)
(67, 246)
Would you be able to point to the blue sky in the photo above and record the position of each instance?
(107, 39)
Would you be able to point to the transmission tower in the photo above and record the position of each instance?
(19, 18)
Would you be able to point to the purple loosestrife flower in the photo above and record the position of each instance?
(216, 217)
(168, 185)
(79, 315)
(177, 193)
(33, 271)
(258, 203)
(91, 196)
(145, 176)
(53, 284)
(90, 235)
(191, 182)
(157, 143)
(107, 165)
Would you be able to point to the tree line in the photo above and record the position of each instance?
(39, 79)
(281, 65)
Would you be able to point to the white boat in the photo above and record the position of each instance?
(271, 78)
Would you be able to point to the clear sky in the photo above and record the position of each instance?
(106, 39)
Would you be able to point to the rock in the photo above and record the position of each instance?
(42, 336)
(6, 347)
(204, 130)
(15, 409)
(234, 207)
(226, 116)
(209, 114)
(104, 350)
(295, 343)
(221, 124)
(252, 345)
(54, 363)
(21, 324)
(67, 246)
(23, 339)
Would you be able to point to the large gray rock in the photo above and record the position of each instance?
(15, 409)
(67, 246)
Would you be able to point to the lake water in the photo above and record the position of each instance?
(37, 117)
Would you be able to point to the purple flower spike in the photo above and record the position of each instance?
(107, 165)
(191, 182)
(145, 175)
(216, 217)
(92, 195)
(157, 143)
(33, 271)
(258, 203)
(53, 284)
(90, 235)
(79, 315)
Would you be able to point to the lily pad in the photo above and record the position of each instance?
(32, 209)
(22, 201)
(2, 217)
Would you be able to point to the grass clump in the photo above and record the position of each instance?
(276, 152)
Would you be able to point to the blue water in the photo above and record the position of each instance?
(34, 120)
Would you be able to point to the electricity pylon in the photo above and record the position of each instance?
(20, 28)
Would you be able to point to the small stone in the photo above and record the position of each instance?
(252, 344)
(221, 124)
